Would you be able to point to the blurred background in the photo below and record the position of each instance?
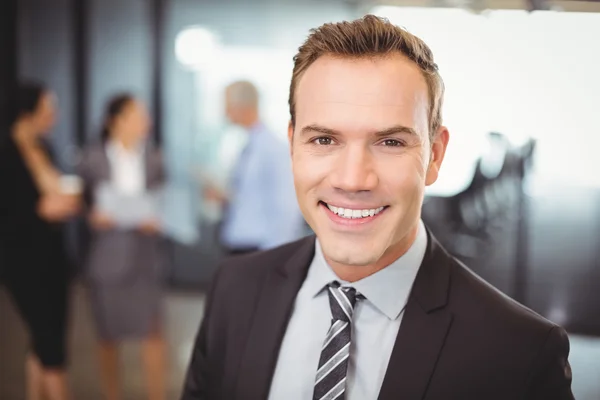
(518, 199)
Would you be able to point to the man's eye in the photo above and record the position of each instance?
(323, 141)
(392, 143)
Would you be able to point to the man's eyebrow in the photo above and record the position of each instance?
(319, 129)
(394, 130)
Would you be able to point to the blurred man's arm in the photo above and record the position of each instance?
(284, 218)
(551, 377)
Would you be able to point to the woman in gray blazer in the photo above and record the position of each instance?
(123, 175)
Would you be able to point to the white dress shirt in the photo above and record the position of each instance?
(127, 168)
(375, 325)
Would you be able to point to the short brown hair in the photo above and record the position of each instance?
(370, 36)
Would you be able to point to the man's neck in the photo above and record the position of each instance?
(354, 273)
(252, 121)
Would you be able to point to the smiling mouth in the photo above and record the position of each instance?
(350, 213)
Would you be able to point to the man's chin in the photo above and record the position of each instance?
(349, 255)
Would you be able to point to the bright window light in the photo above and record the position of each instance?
(196, 47)
(519, 73)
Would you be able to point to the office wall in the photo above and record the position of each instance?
(46, 54)
(119, 54)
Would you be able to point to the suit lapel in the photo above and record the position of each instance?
(274, 308)
(423, 331)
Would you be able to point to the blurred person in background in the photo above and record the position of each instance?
(33, 208)
(261, 211)
(372, 307)
(124, 263)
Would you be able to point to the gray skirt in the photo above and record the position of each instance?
(122, 313)
(125, 279)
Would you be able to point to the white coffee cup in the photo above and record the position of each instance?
(71, 185)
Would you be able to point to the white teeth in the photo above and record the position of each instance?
(349, 213)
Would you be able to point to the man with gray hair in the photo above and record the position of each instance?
(261, 210)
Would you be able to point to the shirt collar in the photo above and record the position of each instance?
(116, 149)
(258, 127)
(388, 289)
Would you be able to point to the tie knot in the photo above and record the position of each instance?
(342, 301)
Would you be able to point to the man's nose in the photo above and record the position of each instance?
(354, 170)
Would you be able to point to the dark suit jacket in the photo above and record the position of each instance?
(460, 338)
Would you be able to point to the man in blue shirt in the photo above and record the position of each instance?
(261, 208)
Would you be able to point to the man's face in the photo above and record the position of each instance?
(230, 110)
(361, 154)
(235, 113)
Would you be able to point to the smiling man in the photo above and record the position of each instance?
(372, 307)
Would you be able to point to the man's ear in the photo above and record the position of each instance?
(438, 150)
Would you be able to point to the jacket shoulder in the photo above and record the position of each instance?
(493, 334)
(475, 298)
(238, 282)
(253, 267)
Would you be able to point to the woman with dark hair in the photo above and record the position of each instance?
(125, 257)
(33, 206)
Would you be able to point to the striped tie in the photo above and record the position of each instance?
(333, 364)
